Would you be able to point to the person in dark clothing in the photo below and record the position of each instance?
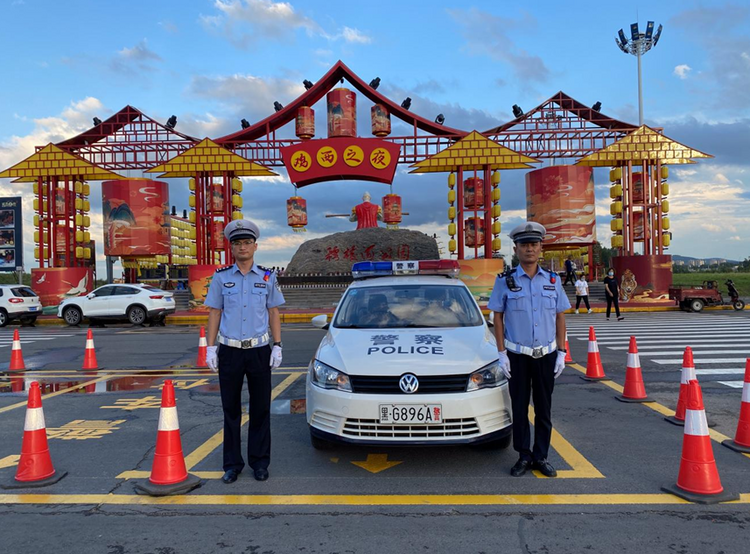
(612, 292)
(570, 274)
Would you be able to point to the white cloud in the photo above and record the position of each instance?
(711, 228)
(682, 71)
(137, 59)
(355, 35)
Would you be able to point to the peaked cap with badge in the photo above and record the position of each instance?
(531, 231)
(241, 229)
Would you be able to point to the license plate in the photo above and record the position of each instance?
(411, 413)
(33, 308)
(169, 299)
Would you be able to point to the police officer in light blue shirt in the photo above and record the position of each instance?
(529, 305)
(243, 300)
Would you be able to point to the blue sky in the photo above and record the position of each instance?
(212, 63)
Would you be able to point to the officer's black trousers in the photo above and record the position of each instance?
(530, 377)
(234, 365)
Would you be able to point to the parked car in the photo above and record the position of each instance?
(18, 302)
(137, 304)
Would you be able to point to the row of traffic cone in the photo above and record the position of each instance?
(168, 473)
(698, 479)
(16, 354)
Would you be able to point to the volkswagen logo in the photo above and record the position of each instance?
(408, 383)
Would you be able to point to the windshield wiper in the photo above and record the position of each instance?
(352, 326)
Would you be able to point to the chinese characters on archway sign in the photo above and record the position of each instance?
(370, 253)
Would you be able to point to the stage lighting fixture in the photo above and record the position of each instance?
(375, 83)
(517, 111)
(245, 123)
(171, 122)
(406, 104)
(184, 214)
(440, 119)
(97, 121)
(597, 107)
(174, 211)
(658, 34)
(278, 106)
(308, 84)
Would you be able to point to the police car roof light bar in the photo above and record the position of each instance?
(360, 270)
(449, 268)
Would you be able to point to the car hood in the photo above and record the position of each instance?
(397, 351)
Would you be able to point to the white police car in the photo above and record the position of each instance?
(408, 360)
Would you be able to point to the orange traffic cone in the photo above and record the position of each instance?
(568, 357)
(35, 467)
(698, 480)
(741, 442)
(688, 374)
(202, 349)
(16, 356)
(168, 473)
(594, 369)
(634, 390)
(89, 356)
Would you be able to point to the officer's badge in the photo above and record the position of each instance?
(229, 285)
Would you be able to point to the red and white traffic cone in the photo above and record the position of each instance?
(568, 357)
(594, 369)
(35, 467)
(634, 390)
(16, 355)
(698, 479)
(168, 473)
(741, 442)
(89, 356)
(202, 349)
(688, 374)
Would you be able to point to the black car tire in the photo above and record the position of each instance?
(137, 315)
(4, 319)
(696, 305)
(738, 305)
(28, 320)
(72, 316)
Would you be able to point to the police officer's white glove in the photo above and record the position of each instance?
(504, 362)
(275, 357)
(212, 358)
(559, 363)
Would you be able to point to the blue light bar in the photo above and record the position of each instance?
(371, 269)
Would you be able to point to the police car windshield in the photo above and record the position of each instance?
(407, 306)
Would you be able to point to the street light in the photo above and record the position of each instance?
(639, 44)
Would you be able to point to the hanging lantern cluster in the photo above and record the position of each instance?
(666, 236)
(615, 209)
(183, 243)
(452, 213)
(296, 212)
(79, 236)
(496, 226)
(392, 213)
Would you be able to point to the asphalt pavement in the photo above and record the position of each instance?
(613, 458)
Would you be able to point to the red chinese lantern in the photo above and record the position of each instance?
(380, 119)
(296, 213)
(60, 202)
(217, 198)
(392, 209)
(305, 124)
(474, 232)
(217, 235)
(473, 193)
(342, 113)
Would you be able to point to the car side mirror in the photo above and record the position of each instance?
(90, 295)
(320, 321)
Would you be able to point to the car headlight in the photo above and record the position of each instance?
(487, 377)
(326, 377)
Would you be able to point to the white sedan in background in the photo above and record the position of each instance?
(137, 304)
(18, 302)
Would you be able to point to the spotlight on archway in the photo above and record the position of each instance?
(517, 111)
(597, 107)
(245, 123)
(406, 104)
(278, 106)
(97, 121)
(308, 84)
(440, 119)
(375, 83)
(171, 122)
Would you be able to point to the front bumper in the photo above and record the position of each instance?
(468, 418)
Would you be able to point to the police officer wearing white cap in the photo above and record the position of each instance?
(529, 305)
(243, 299)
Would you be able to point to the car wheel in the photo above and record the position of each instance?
(696, 305)
(136, 315)
(320, 444)
(72, 316)
(28, 320)
(4, 319)
(738, 305)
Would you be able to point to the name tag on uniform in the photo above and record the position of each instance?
(260, 285)
(549, 287)
(229, 285)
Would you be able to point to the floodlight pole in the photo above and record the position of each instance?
(640, 87)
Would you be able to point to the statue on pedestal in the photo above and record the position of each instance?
(366, 214)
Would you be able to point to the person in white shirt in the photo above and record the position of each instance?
(582, 292)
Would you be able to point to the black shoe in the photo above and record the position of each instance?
(261, 474)
(520, 468)
(230, 476)
(545, 468)
(620, 318)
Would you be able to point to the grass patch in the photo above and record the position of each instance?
(741, 281)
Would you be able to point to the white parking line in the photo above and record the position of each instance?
(677, 361)
(733, 384)
(722, 371)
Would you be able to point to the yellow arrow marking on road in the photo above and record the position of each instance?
(9, 461)
(376, 463)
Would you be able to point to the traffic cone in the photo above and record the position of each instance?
(568, 357)
(688, 374)
(202, 349)
(89, 356)
(16, 356)
(594, 369)
(698, 479)
(634, 390)
(35, 467)
(168, 473)
(741, 442)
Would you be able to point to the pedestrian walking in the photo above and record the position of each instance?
(582, 292)
(612, 291)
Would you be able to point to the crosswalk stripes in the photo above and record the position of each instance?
(6, 337)
(716, 339)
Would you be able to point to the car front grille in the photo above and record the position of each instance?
(449, 429)
(433, 384)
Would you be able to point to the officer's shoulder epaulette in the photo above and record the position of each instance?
(268, 269)
(223, 269)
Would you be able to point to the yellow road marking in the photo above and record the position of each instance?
(660, 408)
(375, 463)
(355, 500)
(581, 467)
(9, 461)
(56, 393)
(200, 453)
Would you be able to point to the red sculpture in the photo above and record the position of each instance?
(366, 214)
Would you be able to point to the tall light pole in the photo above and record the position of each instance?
(639, 44)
